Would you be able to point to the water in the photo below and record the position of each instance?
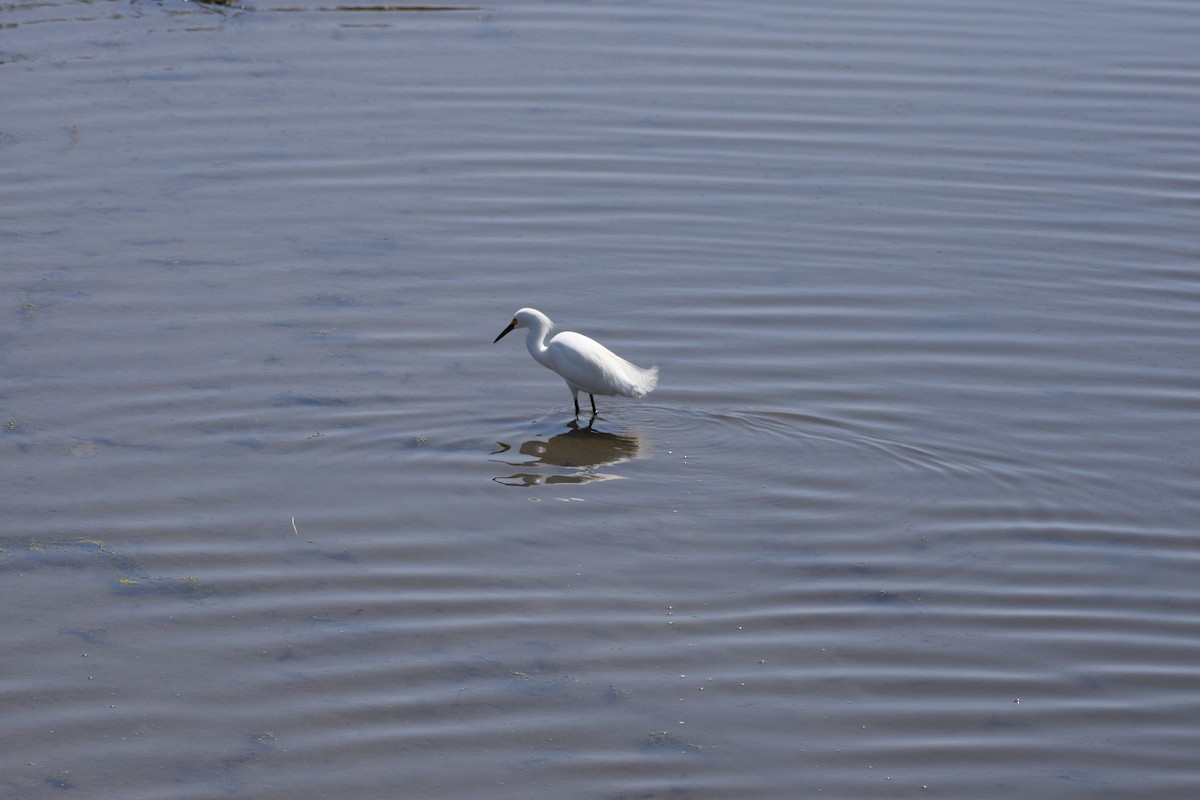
(911, 514)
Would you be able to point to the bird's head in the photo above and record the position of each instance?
(525, 318)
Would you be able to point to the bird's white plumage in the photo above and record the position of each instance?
(585, 364)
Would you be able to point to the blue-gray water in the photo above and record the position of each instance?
(912, 513)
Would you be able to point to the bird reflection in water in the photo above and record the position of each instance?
(574, 456)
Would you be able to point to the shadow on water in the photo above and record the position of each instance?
(574, 456)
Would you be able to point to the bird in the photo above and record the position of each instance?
(585, 364)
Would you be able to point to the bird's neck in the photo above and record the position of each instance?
(535, 340)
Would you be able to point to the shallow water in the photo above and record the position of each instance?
(912, 512)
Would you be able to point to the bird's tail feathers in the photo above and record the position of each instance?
(643, 380)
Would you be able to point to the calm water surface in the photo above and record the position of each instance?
(913, 512)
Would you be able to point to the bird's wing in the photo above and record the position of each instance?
(592, 367)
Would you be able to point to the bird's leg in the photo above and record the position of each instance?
(576, 399)
(593, 399)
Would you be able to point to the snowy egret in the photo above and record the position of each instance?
(585, 364)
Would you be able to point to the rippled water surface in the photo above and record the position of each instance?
(912, 513)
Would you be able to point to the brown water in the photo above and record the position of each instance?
(913, 512)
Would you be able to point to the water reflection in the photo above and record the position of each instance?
(30, 13)
(573, 456)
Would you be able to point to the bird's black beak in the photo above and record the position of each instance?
(504, 332)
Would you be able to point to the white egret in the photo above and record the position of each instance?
(585, 364)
